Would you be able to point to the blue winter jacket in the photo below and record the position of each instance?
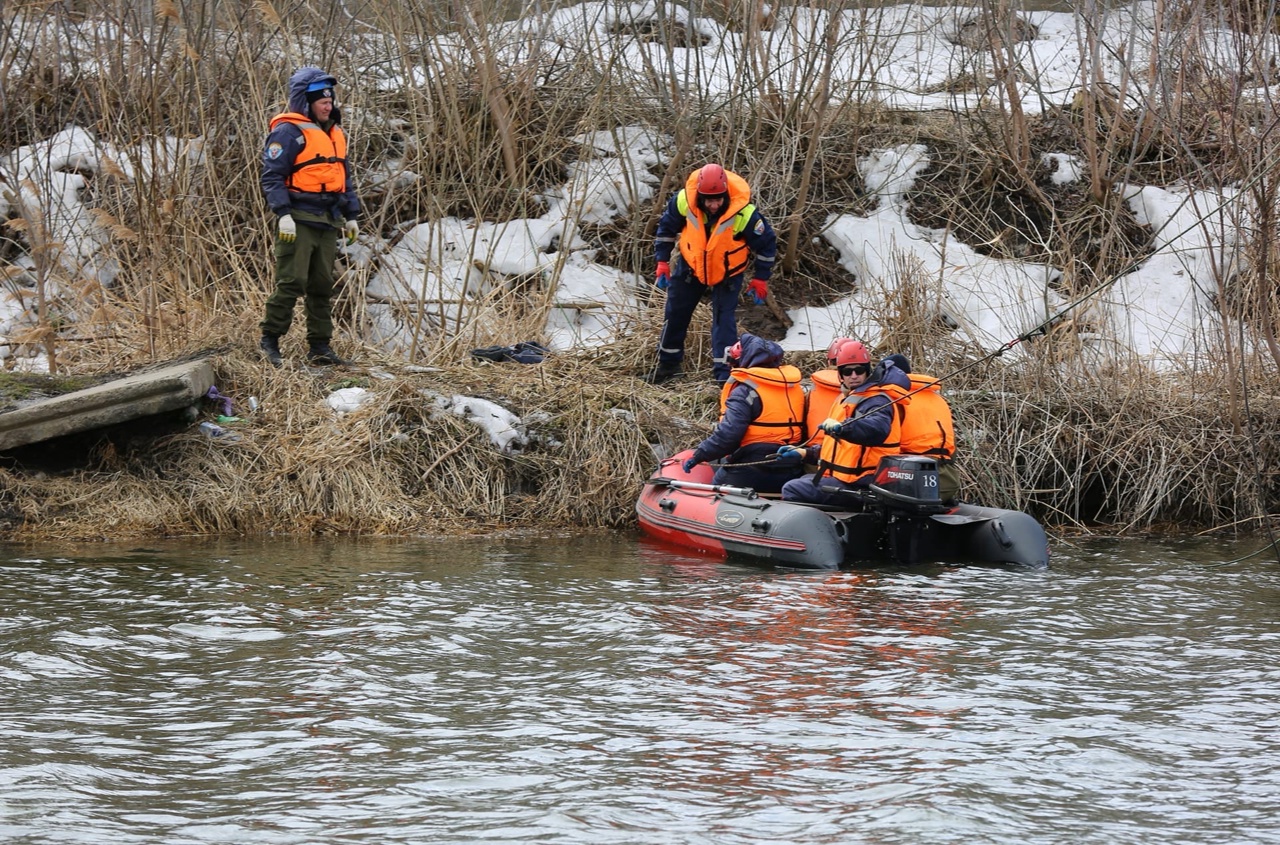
(874, 420)
(743, 404)
(275, 171)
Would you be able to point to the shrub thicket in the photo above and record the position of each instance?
(1078, 438)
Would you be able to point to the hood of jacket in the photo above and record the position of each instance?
(298, 83)
(758, 352)
(884, 373)
(900, 361)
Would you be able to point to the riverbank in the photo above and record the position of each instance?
(474, 447)
(401, 454)
(938, 195)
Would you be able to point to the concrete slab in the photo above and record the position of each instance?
(138, 395)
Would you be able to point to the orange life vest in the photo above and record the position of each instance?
(928, 428)
(781, 417)
(320, 167)
(850, 461)
(824, 393)
(717, 253)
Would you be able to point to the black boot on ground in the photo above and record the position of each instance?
(322, 355)
(270, 346)
(664, 372)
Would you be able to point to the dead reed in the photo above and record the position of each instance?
(398, 465)
(453, 112)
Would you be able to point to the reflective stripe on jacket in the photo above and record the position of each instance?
(928, 428)
(716, 251)
(849, 461)
(320, 167)
(781, 395)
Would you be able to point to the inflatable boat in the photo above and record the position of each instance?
(898, 519)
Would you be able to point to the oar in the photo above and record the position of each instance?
(662, 481)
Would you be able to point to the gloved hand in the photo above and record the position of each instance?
(759, 290)
(664, 275)
(691, 463)
(288, 229)
(789, 454)
(351, 230)
(830, 425)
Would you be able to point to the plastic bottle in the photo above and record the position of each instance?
(211, 431)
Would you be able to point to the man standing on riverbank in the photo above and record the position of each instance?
(307, 183)
(717, 228)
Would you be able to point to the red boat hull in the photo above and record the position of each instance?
(688, 511)
(721, 522)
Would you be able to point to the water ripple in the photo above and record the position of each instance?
(599, 691)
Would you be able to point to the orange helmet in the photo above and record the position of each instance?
(711, 180)
(852, 352)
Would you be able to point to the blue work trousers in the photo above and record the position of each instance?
(683, 296)
(803, 489)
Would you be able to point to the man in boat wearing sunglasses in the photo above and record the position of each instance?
(864, 425)
(824, 390)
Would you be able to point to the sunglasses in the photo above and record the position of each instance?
(855, 370)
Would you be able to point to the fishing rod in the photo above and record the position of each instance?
(1042, 329)
(1045, 325)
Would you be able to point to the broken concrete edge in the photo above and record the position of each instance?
(121, 400)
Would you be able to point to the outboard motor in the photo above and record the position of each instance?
(909, 482)
(906, 487)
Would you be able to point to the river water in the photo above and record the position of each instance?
(606, 690)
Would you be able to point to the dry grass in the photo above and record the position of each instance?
(1081, 454)
(396, 466)
(1088, 464)
(485, 134)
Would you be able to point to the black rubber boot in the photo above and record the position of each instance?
(270, 346)
(664, 372)
(322, 355)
